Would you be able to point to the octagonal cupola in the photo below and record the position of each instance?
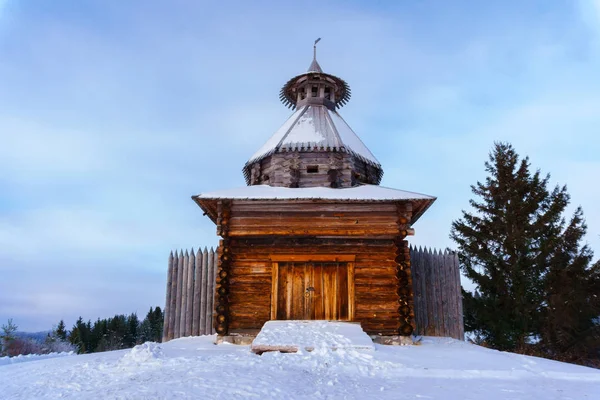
(315, 146)
(315, 87)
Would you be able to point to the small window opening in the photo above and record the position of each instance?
(315, 90)
(328, 93)
(312, 169)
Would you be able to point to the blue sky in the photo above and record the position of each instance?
(112, 114)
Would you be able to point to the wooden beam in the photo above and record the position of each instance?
(313, 257)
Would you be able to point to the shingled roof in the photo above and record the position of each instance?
(315, 128)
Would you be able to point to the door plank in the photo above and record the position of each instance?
(282, 291)
(307, 295)
(297, 295)
(342, 294)
(328, 292)
(319, 306)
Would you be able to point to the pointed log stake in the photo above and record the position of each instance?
(173, 292)
(461, 326)
(183, 295)
(215, 273)
(197, 293)
(203, 293)
(210, 295)
(165, 336)
(190, 294)
(176, 333)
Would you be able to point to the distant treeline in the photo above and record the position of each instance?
(118, 332)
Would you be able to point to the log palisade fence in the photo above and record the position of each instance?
(191, 287)
(437, 293)
(190, 294)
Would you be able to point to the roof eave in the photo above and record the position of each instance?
(422, 205)
(207, 206)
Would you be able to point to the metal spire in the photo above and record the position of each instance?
(314, 66)
(315, 49)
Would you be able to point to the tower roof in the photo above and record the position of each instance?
(314, 66)
(316, 128)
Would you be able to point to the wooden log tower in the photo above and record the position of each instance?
(311, 236)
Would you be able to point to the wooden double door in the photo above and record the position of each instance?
(313, 291)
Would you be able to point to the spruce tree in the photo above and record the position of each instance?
(61, 331)
(7, 335)
(157, 325)
(75, 337)
(506, 244)
(570, 327)
(133, 330)
(145, 332)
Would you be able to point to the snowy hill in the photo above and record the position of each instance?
(192, 368)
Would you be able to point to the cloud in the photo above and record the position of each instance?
(590, 14)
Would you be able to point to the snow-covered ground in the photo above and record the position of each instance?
(32, 357)
(192, 368)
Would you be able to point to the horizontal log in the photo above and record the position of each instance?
(255, 266)
(359, 288)
(391, 306)
(381, 314)
(302, 220)
(365, 254)
(250, 288)
(284, 246)
(252, 300)
(389, 280)
(249, 315)
(269, 242)
(374, 269)
(309, 218)
(310, 230)
(373, 326)
(366, 302)
(257, 279)
(361, 261)
(313, 257)
(295, 214)
(310, 205)
(246, 324)
(315, 225)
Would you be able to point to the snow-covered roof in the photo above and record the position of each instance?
(315, 127)
(363, 192)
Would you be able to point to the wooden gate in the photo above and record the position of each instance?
(320, 289)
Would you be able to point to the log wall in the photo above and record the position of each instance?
(307, 218)
(189, 294)
(334, 169)
(376, 297)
